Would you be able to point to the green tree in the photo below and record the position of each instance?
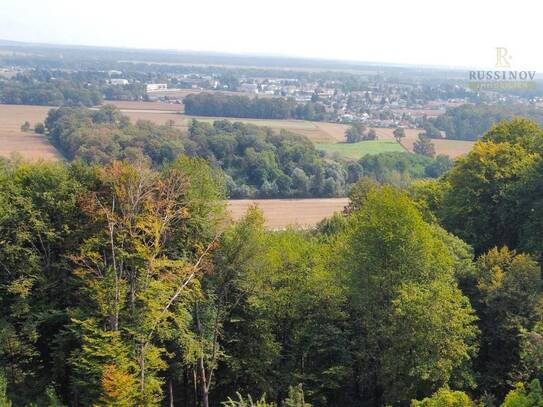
(445, 397)
(506, 294)
(296, 397)
(424, 146)
(247, 402)
(525, 397)
(4, 401)
(136, 274)
(40, 226)
(359, 193)
(371, 135)
(397, 267)
(399, 134)
(39, 128)
(476, 206)
(355, 133)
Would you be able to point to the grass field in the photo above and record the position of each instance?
(358, 150)
(280, 213)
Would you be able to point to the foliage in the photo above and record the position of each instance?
(247, 402)
(400, 168)
(476, 206)
(257, 162)
(506, 294)
(399, 134)
(355, 133)
(445, 397)
(525, 397)
(127, 285)
(470, 122)
(424, 146)
(4, 402)
(381, 234)
(296, 397)
(217, 105)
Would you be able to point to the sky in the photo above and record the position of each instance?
(457, 33)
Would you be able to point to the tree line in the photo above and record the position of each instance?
(470, 122)
(212, 104)
(60, 88)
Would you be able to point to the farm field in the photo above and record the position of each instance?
(280, 213)
(327, 136)
(12, 116)
(30, 146)
(452, 148)
(358, 150)
(314, 131)
(163, 112)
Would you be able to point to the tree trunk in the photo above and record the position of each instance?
(170, 388)
(203, 378)
(142, 369)
(203, 382)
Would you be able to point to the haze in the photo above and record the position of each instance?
(452, 33)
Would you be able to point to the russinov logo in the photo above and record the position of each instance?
(502, 78)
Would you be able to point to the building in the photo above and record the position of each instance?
(116, 81)
(156, 86)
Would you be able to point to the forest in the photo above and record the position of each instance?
(256, 161)
(125, 284)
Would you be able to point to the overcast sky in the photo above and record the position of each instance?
(447, 32)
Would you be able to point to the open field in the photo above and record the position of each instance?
(280, 213)
(30, 146)
(163, 112)
(12, 116)
(452, 148)
(358, 150)
(323, 134)
(314, 131)
(146, 106)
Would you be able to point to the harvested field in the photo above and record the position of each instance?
(30, 146)
(145, 106)
(452, 148)
(280, 213)
(161, 113)
(13, 116)
(314, 131)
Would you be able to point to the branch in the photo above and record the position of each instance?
(182, 287)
